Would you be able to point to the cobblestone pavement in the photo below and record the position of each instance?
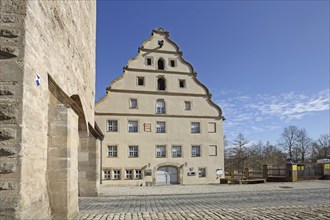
(302, 200)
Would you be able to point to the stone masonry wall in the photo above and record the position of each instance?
(48, 38)
(12, 36)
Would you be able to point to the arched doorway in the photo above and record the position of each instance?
(167, 175)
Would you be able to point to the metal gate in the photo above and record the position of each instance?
(167, 175)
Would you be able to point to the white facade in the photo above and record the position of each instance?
(159, 122)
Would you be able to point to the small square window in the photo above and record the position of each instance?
(196, 151)
(112, 126)
(172, 63)
(176, 151)
(107, 174)
(149, 61)
(138, 174)
(129, 174)
(133, 103)
(133, 126)
(182, 83)
(160, 127)
(195, 127)
(116, 174)
(133, 151)
(187, 105)
(161, 151)
(112, 151)
(140, 81)
(201, 172)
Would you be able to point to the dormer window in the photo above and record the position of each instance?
(161, 84)
(161, 64)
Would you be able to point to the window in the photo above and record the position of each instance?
(187, 105)
(161, 84)
(172, 63)
(176, 151)
(195, 127)
(132, 126)
(182, 83)
(133, 103)
(201, 172)
(196, 151)
(213, 150)
(133, 151)
(140, 81)
(160, 127)
(138, 174)
(149, 61)
(129, 174)
(212, 127)
(107, 174)
(112, 126)
(116, 174)
(112, 151)
(161, 151)
(161, 64)
(160, 107)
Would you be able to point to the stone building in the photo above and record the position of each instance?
(159, 122)
(49, 144)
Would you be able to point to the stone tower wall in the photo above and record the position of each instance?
(51, 39)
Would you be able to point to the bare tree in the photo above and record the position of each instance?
(303, 144)
(321, 148)
(289, 139)
(239, 151)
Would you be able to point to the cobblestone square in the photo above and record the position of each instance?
(300, 200)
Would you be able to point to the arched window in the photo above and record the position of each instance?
(160, 106)
(161, 84)
(161, 64)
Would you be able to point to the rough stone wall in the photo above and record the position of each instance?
(48, 38)
(12, 36)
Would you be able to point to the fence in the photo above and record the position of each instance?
(291, 172)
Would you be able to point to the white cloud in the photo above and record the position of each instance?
(264, 112)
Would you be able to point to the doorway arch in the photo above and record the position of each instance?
(166, 175)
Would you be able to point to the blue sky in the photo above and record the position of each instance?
(265, 62)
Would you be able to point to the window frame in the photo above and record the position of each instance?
(162, 108)
(114, 151)
(106, 174)
(129, 174)
(138, 78)
(159, 128)
(163, 63)
(133, 151)
(199, 173)
(108, 125)
(179, 147)
(116, 174)
(185, 105)
(196, 153)
(174, 63)
(147, 61)
(184, 83)
(134, 130)
(131, 101)
(138, 174)
(161, 155)
(195, 129)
